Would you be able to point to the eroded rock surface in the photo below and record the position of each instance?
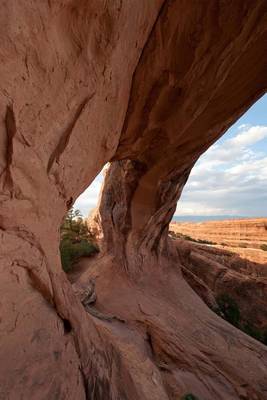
(245, 237)
(224, 272)
(149, 85)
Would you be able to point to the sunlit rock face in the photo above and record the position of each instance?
(149, 86)
(247, 232)
(245, 237)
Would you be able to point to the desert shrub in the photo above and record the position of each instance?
(186, 237)
(264, 337)
(252, 331)
(76, 240)
(202, 241)
(260, 335)
(179, 235)
(74, 227)
(229, 309)
(189, 396)
(71, 251)
(174, 234)
(264, 247)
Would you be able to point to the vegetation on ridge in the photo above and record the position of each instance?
(177, 235)
(75, 240)
(229, 310)
(189, 396)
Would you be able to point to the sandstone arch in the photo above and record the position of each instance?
(148, 85)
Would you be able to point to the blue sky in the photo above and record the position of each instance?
(229, 179)
(256, 115)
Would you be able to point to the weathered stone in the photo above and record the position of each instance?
(149, 85)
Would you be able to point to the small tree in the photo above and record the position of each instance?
(73, 226)
(76, 240)
(189, 396)
(229, 309)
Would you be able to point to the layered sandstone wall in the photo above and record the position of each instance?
(255, 255)
(224, 272)
(243, 236)
(248, 232)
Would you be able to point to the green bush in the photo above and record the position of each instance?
(229, 309)
(264, 337)
(264, 247)
(186, 237)
(178, 235)
(71, 251)
(175, 235)
(189, 396)
(202, 241)
(253, 332)
(76, 240)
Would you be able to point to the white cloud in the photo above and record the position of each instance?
(195, 208)
(230, 178)
(242, 126)
(249, 136)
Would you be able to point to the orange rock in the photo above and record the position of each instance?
(149, 86)
(241, 233)
(223, 272)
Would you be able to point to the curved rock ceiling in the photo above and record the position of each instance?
(149, 85)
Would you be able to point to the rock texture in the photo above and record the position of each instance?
(148, 85)
(243, 237)
(223, 272)
(246, 232)
(254, 255)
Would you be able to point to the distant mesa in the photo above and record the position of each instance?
(244, 236)
(202, 218)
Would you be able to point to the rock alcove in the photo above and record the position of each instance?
(149, 86)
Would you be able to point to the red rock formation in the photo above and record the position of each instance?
(255, 255)
(150, 86)
(64, 94)
(247, 232)
(223, 272)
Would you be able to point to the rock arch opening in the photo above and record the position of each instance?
(78, 238)
(88, 200)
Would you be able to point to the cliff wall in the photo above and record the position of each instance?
(248, 232)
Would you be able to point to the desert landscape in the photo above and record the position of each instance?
(113, 307)
(222, 273)
(246, 237)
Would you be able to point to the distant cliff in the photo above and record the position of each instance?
(242, 233)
